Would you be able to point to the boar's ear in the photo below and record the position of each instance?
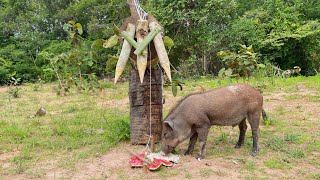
(168, 124)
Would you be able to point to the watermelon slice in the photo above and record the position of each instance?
(135, 162)
(163, 162)
(154, 166)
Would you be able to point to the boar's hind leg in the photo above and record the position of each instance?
(254, 120)
(243, 128)
(202, 136)
(192, 142)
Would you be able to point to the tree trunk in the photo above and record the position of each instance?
(205, 63)
(139, 96)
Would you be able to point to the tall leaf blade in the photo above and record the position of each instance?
(112, 41)
(174, 89)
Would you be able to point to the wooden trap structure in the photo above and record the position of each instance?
(143, 44)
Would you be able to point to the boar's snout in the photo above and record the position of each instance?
(166, 149)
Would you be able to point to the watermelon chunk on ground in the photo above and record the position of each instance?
(154, 166)
(163, 162)
(135, 162)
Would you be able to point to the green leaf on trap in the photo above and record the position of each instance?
(116, 30)
(112, 41)
(97, 43)
(168, 41)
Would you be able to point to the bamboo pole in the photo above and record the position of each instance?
(161, 50)
(129, 38)
(147, 40)
(141, 33)
(125, 53)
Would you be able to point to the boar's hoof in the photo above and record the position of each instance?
(254, 152)
(199, 157)
(187, 153)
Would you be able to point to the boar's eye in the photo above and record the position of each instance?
(165, 135)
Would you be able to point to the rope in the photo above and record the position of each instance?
(150, 108)
(141, 13)
(150, 99)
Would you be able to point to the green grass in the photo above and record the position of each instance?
(316, 176)
(80, 126)
(188, 175)
(311, 98)
(167, 172)
(276, 164)
(297, 153)
(250, 165)
(75, 126)
(206, 172)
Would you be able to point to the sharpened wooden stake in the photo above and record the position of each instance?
(125, 53)
(145, 168)
(161, 50)
(145, 165)
(152, 148)
(141, 33)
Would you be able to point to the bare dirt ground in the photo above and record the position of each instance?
(114, 163)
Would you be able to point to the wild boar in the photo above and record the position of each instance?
(195, 114)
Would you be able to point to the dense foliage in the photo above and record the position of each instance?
(283, 32)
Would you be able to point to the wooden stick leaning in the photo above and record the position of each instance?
(125, 53)
(153, 143)
(161, 50)
(142, 159)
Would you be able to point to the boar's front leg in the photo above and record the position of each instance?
(192, 142)
(202, 135)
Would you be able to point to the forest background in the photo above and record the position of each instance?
(36, 45)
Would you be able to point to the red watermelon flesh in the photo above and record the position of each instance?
(163, 162)
(154, 166)
(135, 162)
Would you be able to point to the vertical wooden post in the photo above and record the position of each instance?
(139, 96)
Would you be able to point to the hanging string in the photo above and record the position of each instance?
(141, 12)
(150, 99)
(150, 102)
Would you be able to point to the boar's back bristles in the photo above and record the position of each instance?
(180, 101)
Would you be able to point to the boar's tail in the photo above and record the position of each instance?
(264, 115)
